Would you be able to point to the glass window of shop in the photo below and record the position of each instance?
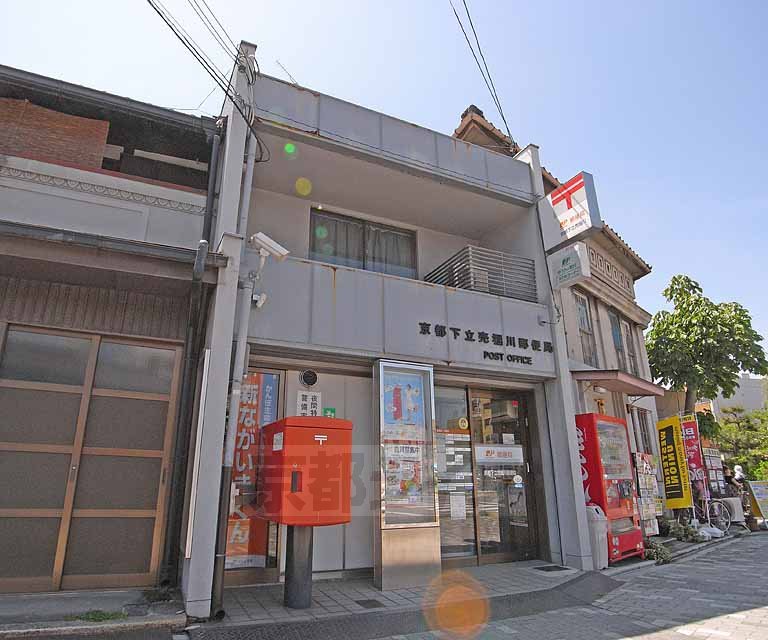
(456, 495)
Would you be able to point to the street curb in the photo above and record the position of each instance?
(78, 627)
(695, 549)
(580, 591)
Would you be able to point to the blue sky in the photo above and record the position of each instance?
(663, 102)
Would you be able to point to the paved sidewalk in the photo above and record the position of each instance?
(719, 594)
(264, 604)
(88, 613)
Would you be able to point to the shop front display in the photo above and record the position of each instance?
(608, 481)
(714, 470)
(649, 502)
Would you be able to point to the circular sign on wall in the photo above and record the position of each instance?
(463, 423)
(517, 479)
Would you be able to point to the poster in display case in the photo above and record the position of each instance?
(405, 413)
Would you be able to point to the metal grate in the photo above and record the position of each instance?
(488, 271)
(552, 567)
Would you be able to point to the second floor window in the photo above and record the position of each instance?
(586, 332)
(362, 244)
(618, 340)
(624, 343)
(629, 344)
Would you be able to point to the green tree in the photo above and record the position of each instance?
(702, 346)
(743, 439)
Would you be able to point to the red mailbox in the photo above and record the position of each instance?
(305, 471)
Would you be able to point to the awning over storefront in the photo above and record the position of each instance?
(619, 381)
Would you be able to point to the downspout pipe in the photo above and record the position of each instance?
(239, 368)
(169, 573)
(211, 194)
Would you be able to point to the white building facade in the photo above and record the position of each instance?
(416, 284)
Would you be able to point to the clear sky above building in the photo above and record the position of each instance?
(664, 102)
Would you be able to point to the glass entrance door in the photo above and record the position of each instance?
(455, 490)
(504, 496)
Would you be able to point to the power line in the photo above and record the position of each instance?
(218, 77)
(489, 79)
(488, 71)
(231, 41)
(212, 30)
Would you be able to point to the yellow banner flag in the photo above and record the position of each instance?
(674, 466)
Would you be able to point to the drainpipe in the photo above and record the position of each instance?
(211, 195)
(169, 573)
(239, 367)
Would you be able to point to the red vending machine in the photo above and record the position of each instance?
(606, 471)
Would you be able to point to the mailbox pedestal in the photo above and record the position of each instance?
(305, 477)
(297, 593)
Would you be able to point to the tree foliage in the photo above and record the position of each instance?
(702, 346)
(709, 427)
(743, 438)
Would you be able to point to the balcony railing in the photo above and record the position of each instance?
(488, 271)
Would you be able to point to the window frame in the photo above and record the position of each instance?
(588, 333)
(630, 350)
(620, 348)
(641, 419)
(365, 223)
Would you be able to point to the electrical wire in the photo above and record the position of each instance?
(231, 54)
(488, 81)
(187, 40)
(231, 41)
(225, 84)
(488, 71)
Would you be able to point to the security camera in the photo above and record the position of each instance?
(266, 244)
(259, 299)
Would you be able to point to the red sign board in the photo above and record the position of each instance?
(693, 455)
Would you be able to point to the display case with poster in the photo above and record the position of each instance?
(713, 464)
(608, 478)
(406, 414)
(407, 531)
(649, 499)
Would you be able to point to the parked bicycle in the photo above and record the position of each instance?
(713, 511)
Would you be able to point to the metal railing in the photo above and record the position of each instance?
(488, 271)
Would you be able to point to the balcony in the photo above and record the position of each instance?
(488, 271)
(317, 307)
(307, 118)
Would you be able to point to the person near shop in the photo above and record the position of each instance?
(732, 486)
(738, 474)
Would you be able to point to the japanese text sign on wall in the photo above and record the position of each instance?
(490, 339)
(674, 466)
(574, 212)
(309, 403)
(569, 265)
(247, 534)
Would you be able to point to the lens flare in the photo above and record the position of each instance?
(456, 605)
(290, 149)
(303, 186)
(321, 233)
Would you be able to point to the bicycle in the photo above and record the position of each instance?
(715, 512)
